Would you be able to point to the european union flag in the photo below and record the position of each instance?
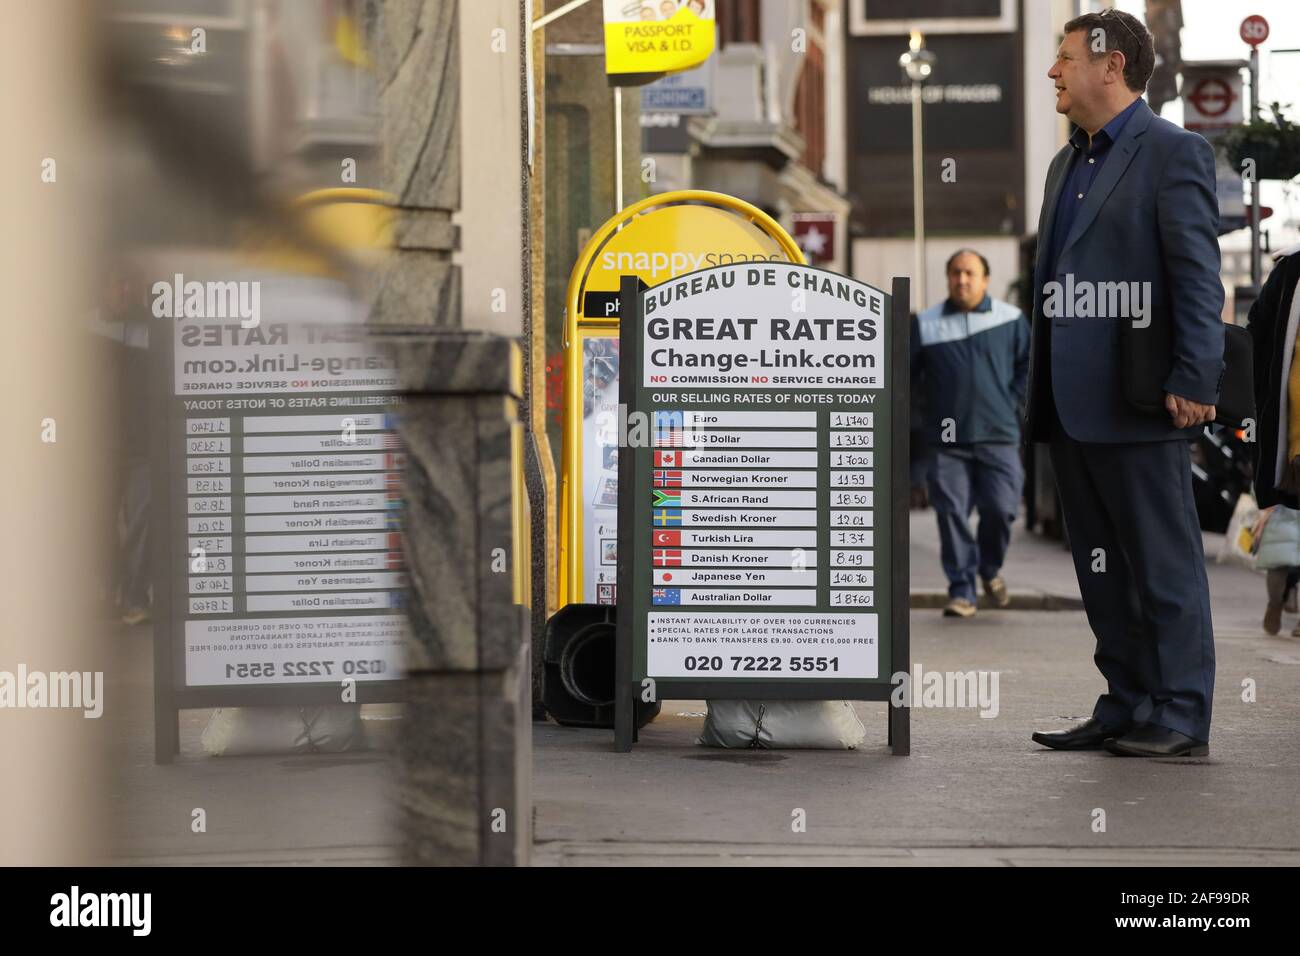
(667, 516)
(666, 596)
(669, 420)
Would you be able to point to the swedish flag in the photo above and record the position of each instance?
(664, 517)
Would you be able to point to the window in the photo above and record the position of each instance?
(810, 106)
(739, 21)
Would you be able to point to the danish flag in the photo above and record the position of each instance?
(667, 559)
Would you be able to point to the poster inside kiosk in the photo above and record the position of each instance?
(762, 541)
(654, 239)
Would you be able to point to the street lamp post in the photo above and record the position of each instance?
(917, 64)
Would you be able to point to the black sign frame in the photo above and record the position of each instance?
(626, 689)
(170, 693)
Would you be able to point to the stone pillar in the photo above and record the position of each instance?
(465, 743)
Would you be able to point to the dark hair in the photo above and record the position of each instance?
(1127, 34)
(964, 252)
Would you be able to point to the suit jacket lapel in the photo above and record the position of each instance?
(1052, 193)
(1121, 154)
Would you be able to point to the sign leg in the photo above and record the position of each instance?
(166, 733)
(900, 730)
(624, 721)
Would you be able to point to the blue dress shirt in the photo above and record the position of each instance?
(1086, 164)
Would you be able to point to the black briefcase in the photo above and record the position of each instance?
(1147, 357)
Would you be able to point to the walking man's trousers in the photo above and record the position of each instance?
(986, 478)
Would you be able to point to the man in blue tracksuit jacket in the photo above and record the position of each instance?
(970, 354)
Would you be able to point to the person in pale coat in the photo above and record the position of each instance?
(1273, 322)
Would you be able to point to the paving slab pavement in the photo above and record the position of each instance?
(971, 782)
(975, 791)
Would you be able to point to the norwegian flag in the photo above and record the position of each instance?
(393, 560)
(667, 538)
(667, 559)
(668, 459)
(668, 479)
(393, 482)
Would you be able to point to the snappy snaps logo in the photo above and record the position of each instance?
(179, 299)
(75, 909)
(54, 690)
(650, 265)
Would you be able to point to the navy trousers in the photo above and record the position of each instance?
(988, 479)
(1136, 542)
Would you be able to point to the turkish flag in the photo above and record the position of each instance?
(667, 538)
(668, 459)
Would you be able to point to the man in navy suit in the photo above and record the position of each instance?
(1127, 281)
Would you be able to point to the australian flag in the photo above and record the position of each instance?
(665, 595)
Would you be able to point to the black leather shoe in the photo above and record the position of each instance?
(1089, 735)
(1152, 741)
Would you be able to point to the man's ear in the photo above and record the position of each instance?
(1115, 64)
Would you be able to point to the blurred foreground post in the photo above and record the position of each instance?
(465, 752)
(55, 494)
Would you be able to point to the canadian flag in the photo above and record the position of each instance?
(668, 459)
(667, 559)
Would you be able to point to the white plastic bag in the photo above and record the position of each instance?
(1239, 543)
(782, 725)
(244, 731)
